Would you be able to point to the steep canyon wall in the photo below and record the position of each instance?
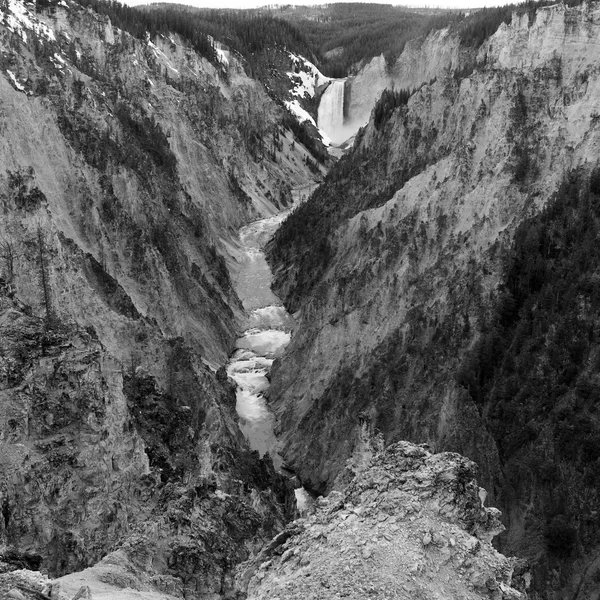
(128, 166)
(422, 61)
(398, 269)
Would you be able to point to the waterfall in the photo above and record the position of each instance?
(331, 112)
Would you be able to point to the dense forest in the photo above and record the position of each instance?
(245, 32)
(387, 104)
(343, 35)
(337, 37)
(534, 371)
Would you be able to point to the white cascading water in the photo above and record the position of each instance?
(268, 333)
(331, 112)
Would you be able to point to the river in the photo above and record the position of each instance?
(269, 331)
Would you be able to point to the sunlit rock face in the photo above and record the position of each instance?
(422, 61)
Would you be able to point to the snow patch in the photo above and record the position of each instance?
(294, 107)
(222, 56)
(310, 75)
(15, 81)
(304, 87)
(305, 77)
(18, 19)
(221, 51)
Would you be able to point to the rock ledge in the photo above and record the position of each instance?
(411, 525)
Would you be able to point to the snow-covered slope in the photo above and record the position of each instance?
(306, 80)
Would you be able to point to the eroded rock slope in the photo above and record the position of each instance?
(395, 265)
(95, 458)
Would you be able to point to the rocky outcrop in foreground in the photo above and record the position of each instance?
(412, 525)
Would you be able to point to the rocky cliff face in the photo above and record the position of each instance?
(127, 167)
(411, 233)
(410, 524)
(422, 61)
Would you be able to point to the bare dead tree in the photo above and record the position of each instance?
(45, 279)
(7, 252)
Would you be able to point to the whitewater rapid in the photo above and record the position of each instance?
(268, 332)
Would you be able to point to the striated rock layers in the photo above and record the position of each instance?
(394, 264)
(410, 525)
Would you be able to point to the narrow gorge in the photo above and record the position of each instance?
(269, 329)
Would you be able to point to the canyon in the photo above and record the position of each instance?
(234, 367)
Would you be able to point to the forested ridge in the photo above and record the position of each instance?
(534, 371)
(337, 37)
(245, 32)
(139, 24)
(346, 34)
(359, 181)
